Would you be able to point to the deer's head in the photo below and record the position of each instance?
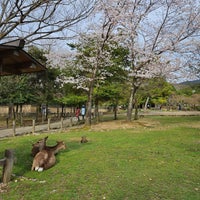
(61, 145)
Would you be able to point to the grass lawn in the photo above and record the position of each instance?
(154, 158)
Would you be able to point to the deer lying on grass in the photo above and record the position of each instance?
(38, 146)
(46, 157)
(84, 139)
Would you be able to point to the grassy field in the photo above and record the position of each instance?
(153, 158)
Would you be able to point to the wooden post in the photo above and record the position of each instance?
(7, 162)
(33, 126)
(49, 124)
(2, 161)
(14, 128)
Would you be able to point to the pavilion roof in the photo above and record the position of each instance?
(15, 60)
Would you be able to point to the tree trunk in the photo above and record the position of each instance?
(62, 111)
(88, 120)
(17, 111)
(21, 115)
(136, 110)
(10, 111)
(115, 112)
(130, 105)
(96, 110)
(13, 111)
(57, 112)
(47, 112)
(37, 112)
(146, 103)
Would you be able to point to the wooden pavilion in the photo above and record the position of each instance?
(15, 60)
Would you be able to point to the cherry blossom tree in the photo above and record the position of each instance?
(93, 55)
(156, 34)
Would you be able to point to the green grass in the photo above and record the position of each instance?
(161, 161)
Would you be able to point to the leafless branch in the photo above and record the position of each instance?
(36, 20)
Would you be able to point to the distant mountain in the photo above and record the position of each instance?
(192, 84)
(195, 82)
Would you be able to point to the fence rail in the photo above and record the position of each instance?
(14, 131)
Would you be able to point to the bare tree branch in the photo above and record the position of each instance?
(36, 20)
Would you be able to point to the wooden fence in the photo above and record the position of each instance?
(7, 163)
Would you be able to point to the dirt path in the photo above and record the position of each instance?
(122, 124)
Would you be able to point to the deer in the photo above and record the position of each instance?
(84, 139)
(38, 146)
(45, 158)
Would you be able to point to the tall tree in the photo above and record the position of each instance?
(46, 86)
(91, 62)
(156, 33)
(91, 68)
(112, 89)
(97, 47)
(93, 51)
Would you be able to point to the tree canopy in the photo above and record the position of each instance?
(120, 44)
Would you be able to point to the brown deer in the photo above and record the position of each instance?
(46, 157)
(38, 146)
(84, 139)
